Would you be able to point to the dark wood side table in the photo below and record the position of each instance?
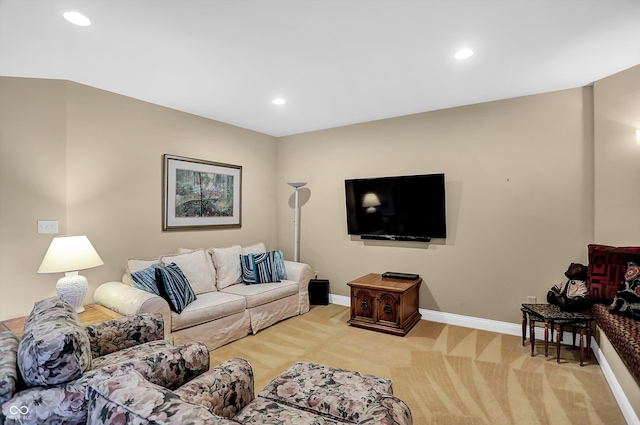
(93, 313)
(551, 314)
(385, 305)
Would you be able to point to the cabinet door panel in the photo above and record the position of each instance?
(388, 308)
(362, 306)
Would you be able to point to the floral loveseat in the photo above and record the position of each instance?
(229, 300)
(58, 359)
(305, 394)
(609, 292)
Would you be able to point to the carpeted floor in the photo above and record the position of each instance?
(448, 375)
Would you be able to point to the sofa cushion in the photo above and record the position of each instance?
(607, 265)
(174, 287)
(54, 348)
(8, 365)
(256, 248)
(338, 393)
(129, 398)
(264, 293)
(227, 262)
(209, 306)
(261, 268)
(196, 267)
(263, 410)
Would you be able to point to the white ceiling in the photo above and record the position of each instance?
(336, 62)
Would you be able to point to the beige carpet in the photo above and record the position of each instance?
(446, 374)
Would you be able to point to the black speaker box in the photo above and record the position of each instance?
(318, 292)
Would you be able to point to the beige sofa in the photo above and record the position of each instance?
(226, 309)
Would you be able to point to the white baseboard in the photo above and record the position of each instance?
(516, 329)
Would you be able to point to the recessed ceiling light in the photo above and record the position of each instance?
(77, 18)
(463, 54)
(278, 101)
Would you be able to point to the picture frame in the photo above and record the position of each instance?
(200, 194)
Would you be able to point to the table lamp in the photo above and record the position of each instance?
(68, 254)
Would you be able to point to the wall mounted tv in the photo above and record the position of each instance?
(410, 208)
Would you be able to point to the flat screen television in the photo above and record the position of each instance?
(397, 208)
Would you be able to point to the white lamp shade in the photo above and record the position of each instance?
(70, 253)
(370, 200)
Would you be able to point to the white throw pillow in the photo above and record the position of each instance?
(136, 264)
(195, 267)
(227, 262)
(257, 248)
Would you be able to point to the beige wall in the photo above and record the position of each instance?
(519, 176)
(93, 160)
(617, 184)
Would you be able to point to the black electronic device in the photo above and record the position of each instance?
(403, 208)
(318, 292)
(402, 276)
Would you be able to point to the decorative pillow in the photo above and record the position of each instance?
(145, 279)
(262, 268)
(257, 248)
(227, 262)
(55, 348)
(174, 287)
(607, 265)
(627, 300)
(136, 264)
(196, 266)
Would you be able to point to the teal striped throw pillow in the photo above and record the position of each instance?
(174, 287)
(263, 268)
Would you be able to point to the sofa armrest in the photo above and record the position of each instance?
(224, 390)
(113, 400)
(129, 300)
(8, 365)
(301, 273)
(125, 332)
(387, 409)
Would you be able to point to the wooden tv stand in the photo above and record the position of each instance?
(384, 305)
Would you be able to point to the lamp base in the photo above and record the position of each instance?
(73, 288)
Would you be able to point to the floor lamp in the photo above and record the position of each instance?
(296, 219)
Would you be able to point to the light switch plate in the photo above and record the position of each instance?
(48, 226)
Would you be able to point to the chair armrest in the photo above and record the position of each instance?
(9, 376)
(125, 332)
(387, 409)
(128, 300)
(301, 273)
(224, 390)
(111, 402)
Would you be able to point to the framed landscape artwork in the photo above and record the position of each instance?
(200, 194)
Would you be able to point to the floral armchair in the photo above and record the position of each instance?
(225, 395)
(58, 359)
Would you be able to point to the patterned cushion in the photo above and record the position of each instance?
(627, 300)
(607, 265)
(131, 399)
(262, 268)
(54, 348)
(145, 279)
(8, 365)
(624, 335)
(174, 287)
(338, 393)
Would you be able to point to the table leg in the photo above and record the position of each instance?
(532, 333)
(581, 346)
(546, 338)
(588, 340)
(559, 333)
(524, 328)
